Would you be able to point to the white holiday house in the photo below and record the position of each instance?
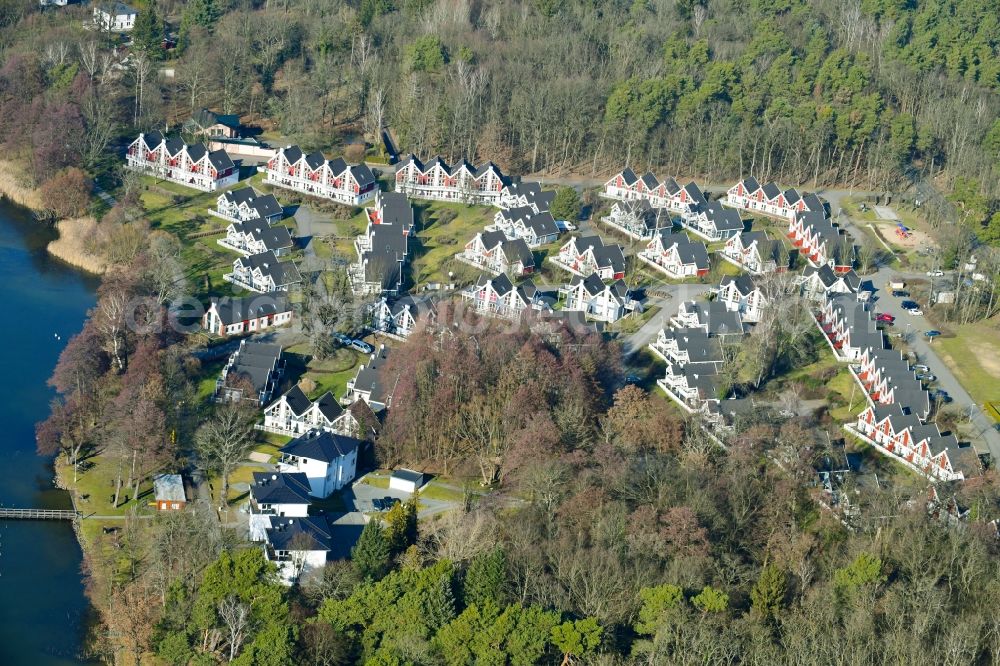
(235, 316)
(263, 273)
(328, 459)
(459, 182)
(317, 176)
(598, 301)
(190, 165)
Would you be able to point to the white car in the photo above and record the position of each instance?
(935, 273)
(916, 313)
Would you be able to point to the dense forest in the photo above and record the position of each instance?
(872, 93)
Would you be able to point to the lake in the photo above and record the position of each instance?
(43, 610)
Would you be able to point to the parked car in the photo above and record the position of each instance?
(632, 379)
(935, 273)
(926, 377)
(932, 334)
(900, 293)
(885, 317)
(921, 367)
(942, 396)
(916, 312)
(361, 346)
(344, 340)
(910, 305)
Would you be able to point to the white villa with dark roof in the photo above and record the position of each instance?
(713, 222)
(526, 224)
(254, 366)
(248, 314)
(244, 204)
(499, 297)
(598, 301)
(367, 384)
(756, 254)
(583, 255)
(263, 273)
(256, 237)
(294, 414)
(437, 180)
(190, 165)
(741, 294)
(396, 318)
(298, 546)
(328, 460)
(637, 218)
(317, 176)
(492, 251)
(525, 193)
(676, 255)
(819, 283)
(114, 16)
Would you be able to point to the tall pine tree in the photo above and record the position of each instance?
(371, 554)
(147, 33)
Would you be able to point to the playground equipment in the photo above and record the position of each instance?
(902, 231)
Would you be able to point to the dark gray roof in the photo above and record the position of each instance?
(315, 160)
(297, 401)
(491, 239)
(231, 309)
(750, 184)
(607, 256)
(363, 174)
(812, 202)
(117, 9)
(280, 488)
(174, 145)
(695, 194)
(671, 186)
(715, 317)
(743, 283)
(240, 195)
(650, 181)
(274, 238)
(267, 206)
(329, 407)
(410, 159)
(792, 196)
(321, 445)
(518, 250)
(204, 118)
(220, 160)
(543, 224)
(282, 272)
(592, 283)
(629, 176)
(196, 151)
(722, 217)
(395, 209)
(313, 533)
(369, 377)
(293, 154)
(152, 139)
(771, 190)
(408, 475)
(699, 346)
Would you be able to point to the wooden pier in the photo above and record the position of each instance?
(38, 514)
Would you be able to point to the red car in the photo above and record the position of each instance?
(885, 317)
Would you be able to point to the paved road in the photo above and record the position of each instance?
(669, 304)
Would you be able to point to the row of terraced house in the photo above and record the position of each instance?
(896, 421)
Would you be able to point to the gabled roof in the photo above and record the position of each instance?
(743, 283)
(491, 239)
(280, 488)
(300, 534)
(771, 190)
(812, 202)
(543, 224)
(296, 400)
(607, 256)
(292, 154)
(695, 194)
(517, 250)
(722, 217)
(321, 445)
(196, 151)
(671, 186)
(628, 176)
(169, 488)
(281, 272)
(267, 206)
(231, 310)
(315, 160)
(649, 181)
(220, 160)
(273, 238)
(592, 283)
(205, 118)
(328, 406)
(410, 159)
(750, 184)
(394, 208)
(240, 195)
(363, 174)
(152, 139)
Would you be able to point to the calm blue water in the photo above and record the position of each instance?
(43, 610)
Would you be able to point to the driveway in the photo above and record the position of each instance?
(360, 498)
(669, 303)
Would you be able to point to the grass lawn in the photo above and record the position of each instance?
(97, 484)
(436, 491)
(377, 479)
(330, 374)
(210, 374)
(632, 323)
(973, 354)
(438, 242)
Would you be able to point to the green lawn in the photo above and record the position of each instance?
(973, 354)
(438, 242)
(377, 480)
(97, 484)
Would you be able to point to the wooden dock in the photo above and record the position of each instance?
(38, 514)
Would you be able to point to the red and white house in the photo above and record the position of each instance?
(921, 446)
(583, 255)
(191, 165)
(440, 181)
(492, 251)
(821, 241)
(637, 219)
(888, 379)
(756, 254)
(626, 186)
(676, 255)
(849, 327)
(317, 176)
(235, 316)
(769, 199)
(498, 297)
(398, 318)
